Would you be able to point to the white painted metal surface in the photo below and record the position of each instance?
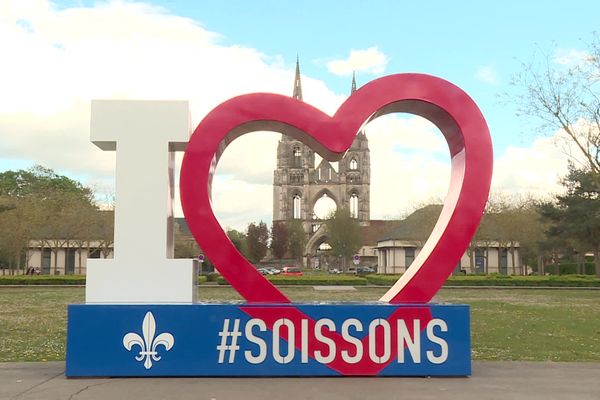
(145, 135)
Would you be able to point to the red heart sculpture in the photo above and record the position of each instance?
(443, 103)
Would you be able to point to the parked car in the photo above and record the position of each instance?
(365, 270)
(291, 271)
(273, 270)
(352, 270)
(335, 271)
(264, 271)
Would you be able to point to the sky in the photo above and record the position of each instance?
(58, 56)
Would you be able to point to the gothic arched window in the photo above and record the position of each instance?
(353, 178)
(297, 156)
(295, 178)
(354, 205)
(297, 207)
(353, 164)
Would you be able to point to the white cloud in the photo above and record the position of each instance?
(487, 74)
(395, 132)
(535, 170)
(54, 62)
(571, 57)
(370, 60)
(409, 166)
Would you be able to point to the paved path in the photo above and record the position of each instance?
(490, 381)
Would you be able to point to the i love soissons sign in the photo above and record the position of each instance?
(140, 316)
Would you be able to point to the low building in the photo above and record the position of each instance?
(65, 257)
(394, 256)
(69, 256)
(66, 253)
(488, 253)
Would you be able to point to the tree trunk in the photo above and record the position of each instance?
(487, 260)
(512, 259)
(597, 261)
(20, 265)
(522, 268)
(79, 258)
(27, 257)
(55, 251)
(471, 260)
(105, 246)
(540, 263)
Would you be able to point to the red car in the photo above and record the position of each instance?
(291, 271)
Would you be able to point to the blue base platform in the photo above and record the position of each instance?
(342, 339)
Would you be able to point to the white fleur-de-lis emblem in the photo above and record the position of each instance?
(149, 343)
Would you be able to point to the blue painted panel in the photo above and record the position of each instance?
(214, 340)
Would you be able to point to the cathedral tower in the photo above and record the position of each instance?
(298, 184)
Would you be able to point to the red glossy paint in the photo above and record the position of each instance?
(443, 103)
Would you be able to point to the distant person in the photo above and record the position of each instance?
(38, 271)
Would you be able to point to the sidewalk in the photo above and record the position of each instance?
(490, 380)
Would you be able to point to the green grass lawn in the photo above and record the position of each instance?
(556, 325)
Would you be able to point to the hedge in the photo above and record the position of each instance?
(570, 268)
(312, 280)
(503, 280)
(352, 280)
(42, 280)
(9, 280)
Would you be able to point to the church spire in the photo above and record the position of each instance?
(297, 84)
(353, 82)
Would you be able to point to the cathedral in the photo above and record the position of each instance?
(299, 184)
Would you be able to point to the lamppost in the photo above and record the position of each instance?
(201, 261)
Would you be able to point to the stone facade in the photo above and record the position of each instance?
(299, 183)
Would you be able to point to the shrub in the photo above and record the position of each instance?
(52, 280)
(382, 280)
(42, 280)
(212, 276)
(503, 280)
(311, 280)
(570, 268)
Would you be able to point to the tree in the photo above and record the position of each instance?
(296, 239)
(566, 96)
(344, 234)
(39, 182)
(514, 221)
(257, 241)
(67, 223)
(39, 204)
(575, 216)
(240, 242)
(16, 227)
(279, 239)
(104, 230)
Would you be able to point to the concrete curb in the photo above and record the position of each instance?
(490, 381)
